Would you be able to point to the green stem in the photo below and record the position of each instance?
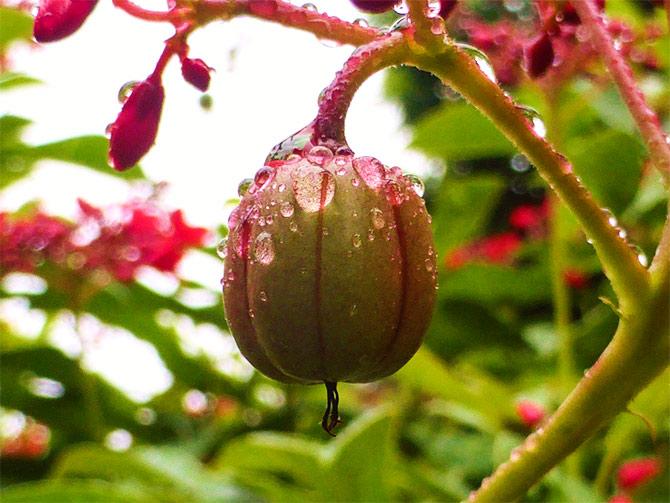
(629, 279)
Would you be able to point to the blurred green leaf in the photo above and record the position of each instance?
(610, 164)
(14, 25)
(459, 132)
(75, 491)
(10, 80)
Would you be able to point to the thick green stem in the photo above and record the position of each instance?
(629, 279)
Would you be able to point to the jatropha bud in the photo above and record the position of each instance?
(330, 270)
(57, 19)
(539, 56)
(374, 6)
(134, 131)
(196, 72)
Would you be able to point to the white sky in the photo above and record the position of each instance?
(265, 88)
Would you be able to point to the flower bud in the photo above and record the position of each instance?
(637, 472)
(134, 131)
(539, 56)
(330, 270)
(374, 6)
(446, 6)
(57, 19)
(196, 73)
(530, 413)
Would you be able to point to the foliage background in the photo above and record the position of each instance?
(221, 432)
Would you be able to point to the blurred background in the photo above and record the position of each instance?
(120, 381)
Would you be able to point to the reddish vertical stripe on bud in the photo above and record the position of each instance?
(57, 19)
(539, 56)
(196, 73)
(134, 131)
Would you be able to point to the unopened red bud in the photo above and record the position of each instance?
(637, 472)
(539, 56)
(196, 73)
(530, 413)
(57, 19)
(575, 278)
(134, 131)
(620, 498)
(446, 6)
(374, 6)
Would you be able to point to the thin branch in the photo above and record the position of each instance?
(423, 26)
(646, 119)
(170, 16)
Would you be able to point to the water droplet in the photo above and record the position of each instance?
(377, 218)
(535, 119)
(252, 315)
(286, 209)
(263, 178)
(310, 7)
(108, 130)
(343, 151)
(269, 219)
(429, 265)
(353, 310)
(371, 235)
(416, 183)
(281, 187)
(622, 233)
(355, 181)
(401, 8)
(539, 127)
(611, 219)
(320, 155)
(314, 188)
(371, 171)
(263, 296)
(222, 248)
(393, 193)
(293, 227)
(361, 22)
(243, 187)
(356, 240)
(126, 90)
(324, 231)
(340, 171)
(264, 249)
(519, 163)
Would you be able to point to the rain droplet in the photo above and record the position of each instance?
(310, 7)
(611, 219)
(286, 209)
(263, 177)
(393, 193)
(264, 249)
(519, 163)
(361, 22)
(320, 155)
(314, 188)
(356, 240)
(281, 187)
(252, 315)
(126, 90)
(416, 183)
(263, 296)
(371, 171)
(429, 265)
(371, 235)
(243, 187)
(222, 248)
(377, 218)
(293, 227)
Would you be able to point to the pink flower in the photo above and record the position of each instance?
(196, 73)
(530, 413)
(57, 19)
(134, 130)
(634, 473)
(539, 56)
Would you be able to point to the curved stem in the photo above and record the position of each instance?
(287, 14)
(646, 119)
(422, 26)
(173, 15)
(458, 70)
(336, 98)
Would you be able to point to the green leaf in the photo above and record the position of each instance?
(75, 491)
(10, 80)
(11, 128)
(459, 132)
(88, 151)
(14, 25)
(610, 164)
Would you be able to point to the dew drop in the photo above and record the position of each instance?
(539, 128)
(126, 90)
(320, 155)
(340, 171)
(356, 240)
(355, 182)
(264, 249)
(361, 22)
(393, 193)
(293, 227)
(263, 296)
(416, 183)
(340, 161)
(281, 187)
(108, 130)
(263, 178)
(429, 265)
(222, 248)
(519, 163)
(286, 209)
(252, 315)
(243, 187)
(310, 184)
(371, 235)
(377, 218)
(370, 170)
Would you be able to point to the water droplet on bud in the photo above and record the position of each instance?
(222, 248)
(377, 218)
(320, 155)
(314, 188)
(286, 209)
(243, 187)
(356, 240)
(417, 184)
(264, 250)
(126, 90)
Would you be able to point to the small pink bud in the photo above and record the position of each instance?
(446, 6)
(57, 19)
(374, 6)
(196, 73)
(575, 278)
(620, 498)
(539, 56)
(636, 472)
(530, 413)
(134, 131)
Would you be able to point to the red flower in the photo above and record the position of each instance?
(539, 56)
(31, 442)
(575, 278)
(500, 248)
(525, 217)
(196, 73)
(530, 413)
(633, 474)
(374, 6)
(134, 131)
(57, 19)
(620, 498)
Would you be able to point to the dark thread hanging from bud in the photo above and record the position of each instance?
(331, 418)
